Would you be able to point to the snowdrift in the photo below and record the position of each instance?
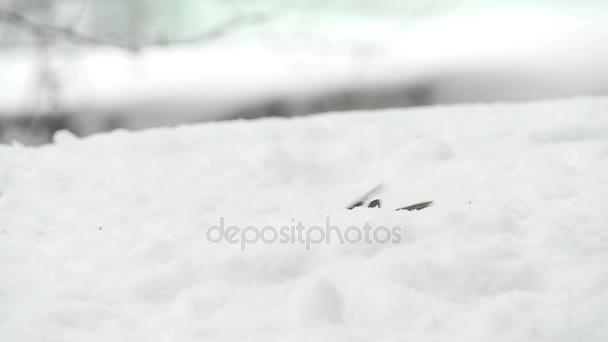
(109, 238)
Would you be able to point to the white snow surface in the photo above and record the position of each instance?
(103, 239)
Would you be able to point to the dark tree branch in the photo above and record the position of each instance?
(51, 32)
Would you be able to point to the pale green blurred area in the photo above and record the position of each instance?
(186, 18)
(153, 20)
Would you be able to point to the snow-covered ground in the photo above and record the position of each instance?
(105, 238)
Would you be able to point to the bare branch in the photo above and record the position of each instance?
(51, 32)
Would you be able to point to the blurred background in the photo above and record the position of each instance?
(91, 66)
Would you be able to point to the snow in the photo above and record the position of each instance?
(104, 238)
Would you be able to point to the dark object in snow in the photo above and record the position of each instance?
(374, 204)
(377, 204)
(361, 201)
(355, 205)
(418, 206)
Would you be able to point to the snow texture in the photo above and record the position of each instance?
(103, 239)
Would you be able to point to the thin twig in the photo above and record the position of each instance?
(37, 29)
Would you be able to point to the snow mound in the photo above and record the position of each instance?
(110, 238)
